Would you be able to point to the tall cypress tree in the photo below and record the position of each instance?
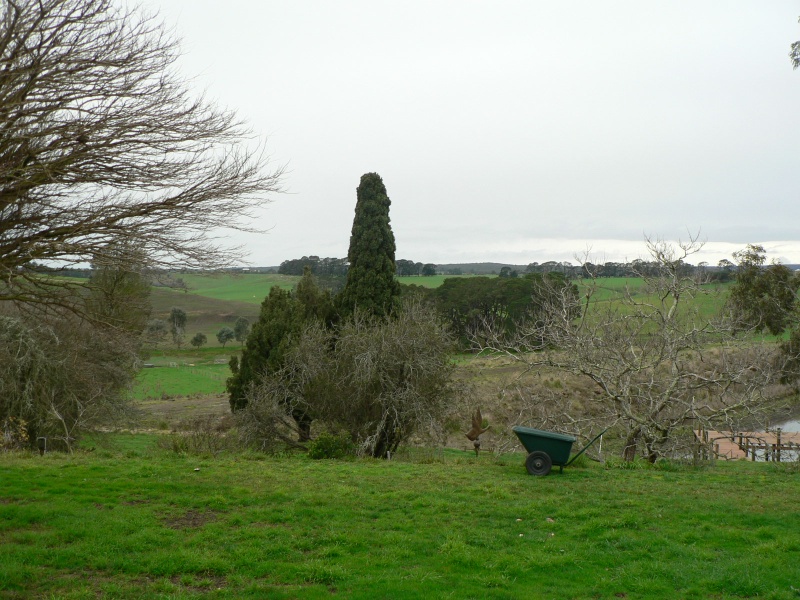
(371, 285)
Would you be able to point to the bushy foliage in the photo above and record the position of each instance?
(198, 340)
(380, 380)
(265, 345)
(62, 378)
(240, 329)
(13, 434)
(320, 267)
(329, 445)
(468, 304)
(177, 324)
(225, 335)
(64, 372)
(283, 317)
(156, 331)
(764, 297)
(657, 367)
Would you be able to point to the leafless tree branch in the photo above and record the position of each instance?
(101, 143)
(657, 365)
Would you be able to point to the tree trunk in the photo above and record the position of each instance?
(631, 444)
(303, 425)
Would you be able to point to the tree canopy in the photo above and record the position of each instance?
(468, 304)
(763, 296)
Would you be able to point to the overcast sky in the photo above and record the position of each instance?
(513, 131)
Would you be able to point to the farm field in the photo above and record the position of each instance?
(175, 375)
(433, 281)
(215, 301)
(146, 523)
(245, 287)
(707, 303)
(208, 314)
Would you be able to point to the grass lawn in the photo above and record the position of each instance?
(146, 524)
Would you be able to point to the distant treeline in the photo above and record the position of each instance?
(724, 271)
(329, 269)
(337, 267)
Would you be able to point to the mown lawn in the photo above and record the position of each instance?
(152, 525)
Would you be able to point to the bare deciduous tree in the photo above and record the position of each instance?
(101, 143)
(658, 366)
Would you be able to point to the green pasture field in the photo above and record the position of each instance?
(185, 372)
(246, 287)
(163, 299)
(209, 315)
(215, 301)
(610, 289)
(432, 281)
(147, 524)
(180, 380)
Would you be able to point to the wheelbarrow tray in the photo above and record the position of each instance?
(557, 445)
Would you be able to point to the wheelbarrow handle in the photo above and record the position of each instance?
(586, 447)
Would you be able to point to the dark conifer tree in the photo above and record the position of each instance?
(265, 346)
(283, 316)
(371, 285)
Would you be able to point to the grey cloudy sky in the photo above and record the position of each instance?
(513, 131)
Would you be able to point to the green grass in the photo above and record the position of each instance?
(160, 526)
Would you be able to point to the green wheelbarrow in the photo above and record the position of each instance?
(546, 448)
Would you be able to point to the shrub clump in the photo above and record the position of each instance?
(328, 445)
(205, 435)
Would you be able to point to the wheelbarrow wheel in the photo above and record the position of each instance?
(538, 463)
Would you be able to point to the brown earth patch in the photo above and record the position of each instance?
(174, 410)
(201, 583)
(136, 502)
(190, 520)
(262, 525)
